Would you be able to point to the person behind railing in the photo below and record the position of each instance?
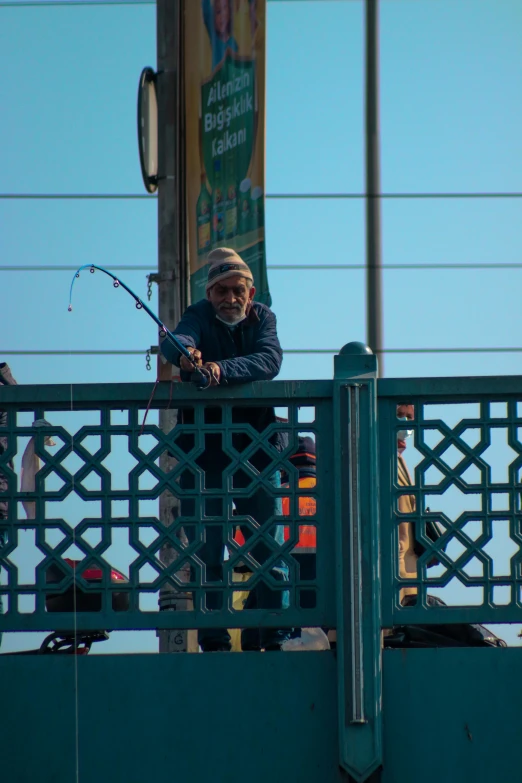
(30, 466)
(235, 339)
(305, 550)
(407, 556)
(410, 549)
(406, 505)
(6, 379)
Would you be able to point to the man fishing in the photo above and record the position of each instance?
(234, 339)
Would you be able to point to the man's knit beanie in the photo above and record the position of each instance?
(224, 262)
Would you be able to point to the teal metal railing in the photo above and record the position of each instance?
(465, 464)
(97, 425)
(96, 500)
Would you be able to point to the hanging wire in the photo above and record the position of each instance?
(75, 629)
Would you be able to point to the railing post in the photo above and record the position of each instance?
(357, 566)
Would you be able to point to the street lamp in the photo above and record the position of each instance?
(148, 129)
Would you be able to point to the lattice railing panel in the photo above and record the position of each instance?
(91, 518)
(465, 463)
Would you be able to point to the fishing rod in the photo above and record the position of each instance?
(204, 378)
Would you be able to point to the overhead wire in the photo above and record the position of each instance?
(326, 351)
(268, 196)
(72, 3)
(272, 196)
(65, 3)
(279, 267)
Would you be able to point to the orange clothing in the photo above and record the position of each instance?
(307, 508)
(307, 533)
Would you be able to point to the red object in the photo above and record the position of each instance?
(95, 573)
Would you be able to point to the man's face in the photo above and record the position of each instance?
(404, 412)
(230, 298)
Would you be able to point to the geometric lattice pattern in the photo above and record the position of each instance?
(463, 509)
(80, 522)
(81, 530)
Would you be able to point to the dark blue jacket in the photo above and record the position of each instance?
(251, 352)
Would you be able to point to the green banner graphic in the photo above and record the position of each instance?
(225, 147)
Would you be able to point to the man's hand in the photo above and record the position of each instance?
(197, 360)
(215, 372)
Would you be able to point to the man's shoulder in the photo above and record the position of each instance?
(202, 309)
(262, 311)
(403, 472)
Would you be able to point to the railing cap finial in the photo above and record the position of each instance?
(355, 348)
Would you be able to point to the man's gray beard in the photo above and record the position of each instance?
(236, 319)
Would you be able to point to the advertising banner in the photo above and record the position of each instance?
(224, 75)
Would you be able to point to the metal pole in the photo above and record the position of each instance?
(374, 332)
(171, 276)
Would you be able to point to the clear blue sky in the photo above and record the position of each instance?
(451, 118)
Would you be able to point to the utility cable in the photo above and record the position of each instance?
(278, 267)
(133, 352)
(269, 196)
